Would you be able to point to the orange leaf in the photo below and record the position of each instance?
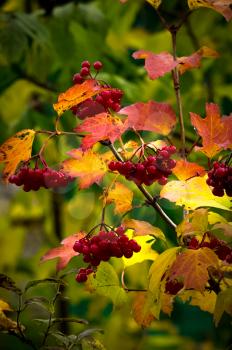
(212, 129)
(143, 228)
(64, 252)
(88, 166)
(192, 265)
(15, 150)
(156, 65)
(100, 127)
(76, 94)
(221, 6)
(194, 60)
(185, 170)
(141, 309)
(152, 116)
(121, 196)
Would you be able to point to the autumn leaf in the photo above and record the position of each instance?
(76, 94)
(226, 228)
(157, 271)
(221, 6)
(99, 128)
(143, 228)
(223, 304)
(195, 223)
(193, 194)
(205, 301)
(156, 65)
(6, 324)
(65, 252)
(213, 129)
(15, 150)
(141, 309)
(152, 116)
(166, 300)
(121, 196)
(192, 266)
(194, 60)
(106, 283)
(185, 170)
(88, 166)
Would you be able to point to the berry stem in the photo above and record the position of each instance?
(150, 200)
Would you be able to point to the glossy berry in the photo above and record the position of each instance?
(102, 247)
(220, 178)
(85, 64)
(97, 65)
(84, 71)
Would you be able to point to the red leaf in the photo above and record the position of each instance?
(214, 130)
(185, 170)
(156, 65)
(152, 116)
(64, 252)
(100, 127)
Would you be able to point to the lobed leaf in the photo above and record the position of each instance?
(184, 170)
(121, 196)
(195, 223)
(205, 301)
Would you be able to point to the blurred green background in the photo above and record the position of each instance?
(42, 44)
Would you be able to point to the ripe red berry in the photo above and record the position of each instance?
(78, 79)
(86, 64)
(84, 71)
(97, 65)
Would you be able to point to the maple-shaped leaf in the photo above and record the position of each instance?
(156, 274)
(192, 266)
(156, 65)
(88, 166)
(15, 150)
(194, 60)
(106, 282)
(193, 193)
(205, 301)
(221, 6)
(141, 309)
(227, 123)
(152, 116)
(76, 94)
(213, 129)
(195, 223)
(99, 128)
(184, 170)
(223, 304)
(121, 196)
(65, 252)
(143, 228)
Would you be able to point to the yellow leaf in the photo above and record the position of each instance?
(146, 252)
(154, 3)
(5, 322)
(88, 166)
(15, 150)
(195, 223)
(192, 266)
(221, 6)
(141, 309)
(206, 300)
(223, 304)
(156, 273)
(4, 306)
(216, 218)
(121, 196)
(193, 194)
(166, 303)
(143, 228)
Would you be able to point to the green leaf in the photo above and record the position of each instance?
(90, 343)
(46, 280)
(106, 283)
(157, 270)
(89, 332)
(69, 319)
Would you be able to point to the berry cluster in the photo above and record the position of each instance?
(222, 250)
(33, 179)
(154, 168)
(107, 99)
(102, 247)
(220, 178)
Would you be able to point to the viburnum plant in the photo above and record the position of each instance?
(198, 268)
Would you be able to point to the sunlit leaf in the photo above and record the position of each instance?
(106, 283)
(15, 150)
(205, 301)
(213, 129)
(143, 228)
(192, 266)
(88, 166)
(185, 170)
(141, 309)
(195, 223)
(75, 95)
(194, 60)
(5, 322)
(154, 3)
(65, 252)
(223, 304)
(121, 196)
(221, 6)
(91, 343)
(99, 128)
(156, 65)
(156, 273)
(152, 116)
(193, 194)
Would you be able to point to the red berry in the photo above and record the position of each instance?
(97, 65)
(85, 64)
(84, 71)
(77, 79)
(81, 277)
